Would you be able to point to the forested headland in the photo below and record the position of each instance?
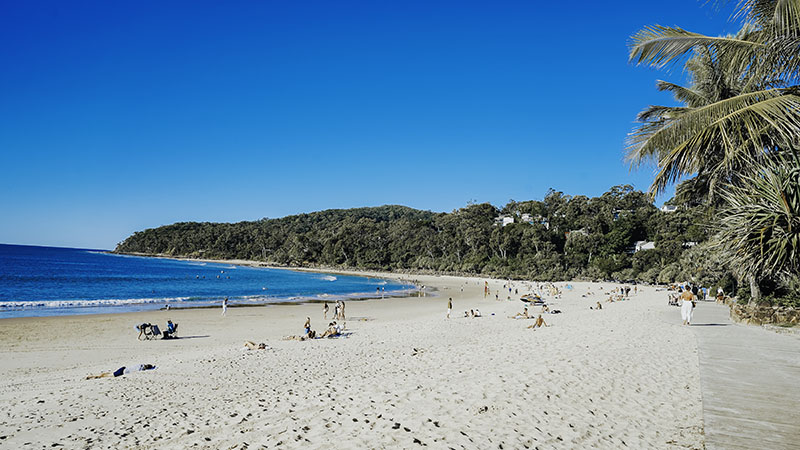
(561, 237)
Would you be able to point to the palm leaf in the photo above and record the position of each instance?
(760, 228)
(658, 45)
(682, 94)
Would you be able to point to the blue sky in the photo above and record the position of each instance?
(115, 117)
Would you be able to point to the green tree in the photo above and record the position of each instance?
(760, 229)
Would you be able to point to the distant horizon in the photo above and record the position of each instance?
(117, 117)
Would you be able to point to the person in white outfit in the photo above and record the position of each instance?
(224, 306)
(687, 306)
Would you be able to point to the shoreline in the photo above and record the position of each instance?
(361, 296)
(323, 269)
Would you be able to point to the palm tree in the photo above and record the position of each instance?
(712, 79)
(744, 99)
(759, 230)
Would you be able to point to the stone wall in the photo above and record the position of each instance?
(761, 315)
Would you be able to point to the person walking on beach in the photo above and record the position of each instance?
(449, 306)
(224, 306)
(687, 306)
(325, 311)
(341, 311)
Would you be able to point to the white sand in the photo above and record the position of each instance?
(623, 377)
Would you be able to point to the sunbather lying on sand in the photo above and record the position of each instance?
(539, 323)
(298, 338)
(250, 345)
(121, 371)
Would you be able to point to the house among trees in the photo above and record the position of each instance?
(503, 220)
(643, 245)
(621, 213)
(581, 232)
(669, 208)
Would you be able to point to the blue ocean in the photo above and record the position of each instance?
(49, 281)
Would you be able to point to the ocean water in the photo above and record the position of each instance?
(48, 281)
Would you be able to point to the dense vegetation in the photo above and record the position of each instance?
(565, 238)
(733, 136)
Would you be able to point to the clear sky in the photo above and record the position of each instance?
(120, 116)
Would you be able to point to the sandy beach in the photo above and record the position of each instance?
(403, 376)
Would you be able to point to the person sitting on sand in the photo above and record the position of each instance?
(250, 345)
(333, 330)
(539, 323)
(478, 313)
(545, 309)
(307, 325)
(522, 315)
(599, 306)
(121, 371)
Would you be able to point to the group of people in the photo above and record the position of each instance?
(334, 329)
(539, 320)
(150, 331)
(472, 313)
(338, 311)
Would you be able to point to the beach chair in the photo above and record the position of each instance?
(171, 334)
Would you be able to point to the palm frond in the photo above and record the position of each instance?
(777, 107)
(658, 45)
(682, 94)
(784, 14)
(660, 113)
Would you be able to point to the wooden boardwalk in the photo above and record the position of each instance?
(750, 380)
